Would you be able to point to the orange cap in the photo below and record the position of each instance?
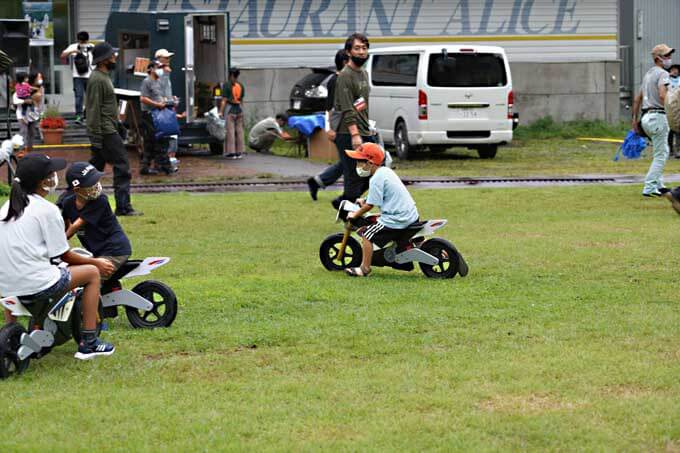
(368, 151)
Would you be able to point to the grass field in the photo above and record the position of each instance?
(563, 337)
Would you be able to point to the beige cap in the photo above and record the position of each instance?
(662, 50)
(163, 53)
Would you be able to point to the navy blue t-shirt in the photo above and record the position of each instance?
(102, 235)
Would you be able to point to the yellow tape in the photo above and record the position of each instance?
(597, 139)
(74, 145)
(417, 39)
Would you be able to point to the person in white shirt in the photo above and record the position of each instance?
(263, 135)
(80, 54)
(32, 234)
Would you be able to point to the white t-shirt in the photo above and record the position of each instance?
(26, 246)
(87, 50)
(264, 128)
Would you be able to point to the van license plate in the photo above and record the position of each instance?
(466, 114)
(296, 105)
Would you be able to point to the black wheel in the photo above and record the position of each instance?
(330, 247)
(77, 319)
(487, 151)
(164, 308)
(401, 144)
(216, 149)
(450, 261)
(10, 336)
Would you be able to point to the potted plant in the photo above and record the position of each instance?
(52, 126)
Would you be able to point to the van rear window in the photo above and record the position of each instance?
(395, 70)
(466, 70)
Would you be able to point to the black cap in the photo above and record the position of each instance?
(82, 174)
(35, 167)
(101, 52)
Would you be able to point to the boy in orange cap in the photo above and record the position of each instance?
(385, 190)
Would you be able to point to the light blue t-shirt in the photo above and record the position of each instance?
(675, 82)
(397, 208)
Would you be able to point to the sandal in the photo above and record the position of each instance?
(357, 272)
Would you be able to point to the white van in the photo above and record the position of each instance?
(442, 96)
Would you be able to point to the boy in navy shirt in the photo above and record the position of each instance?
(87, 213)
(385, 190)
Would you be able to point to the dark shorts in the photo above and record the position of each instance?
(54, 292)
(379, 234)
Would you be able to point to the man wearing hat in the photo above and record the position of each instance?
(102, 126)
(653, 120)
(88, 214)
(163, 56)
(151, 98)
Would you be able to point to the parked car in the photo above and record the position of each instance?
(437, 98)
(310, 94)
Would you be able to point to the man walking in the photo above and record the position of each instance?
(80, 54)
(654, 123)
(102, 127)
(351, 101)
(333, 172)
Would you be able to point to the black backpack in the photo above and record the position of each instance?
(81, 63)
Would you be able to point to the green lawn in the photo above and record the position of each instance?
(563, 337)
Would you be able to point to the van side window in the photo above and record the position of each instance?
(395, 70)
(466, 70)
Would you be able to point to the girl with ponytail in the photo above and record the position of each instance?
(31, 236)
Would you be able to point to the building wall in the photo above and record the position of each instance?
(655, 22)
(303, 33)
(558, 49)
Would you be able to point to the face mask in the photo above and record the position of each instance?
(362, 172)
(667, 62)
(54, 182)
(91, 193)
(359, 61)
(40, 82)
(111, 65)
(159, 72)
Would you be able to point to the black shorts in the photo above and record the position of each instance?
(379, 234)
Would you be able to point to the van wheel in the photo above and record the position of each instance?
(487, 151)
(401, 144)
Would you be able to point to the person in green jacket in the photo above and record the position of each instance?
(102, 127)
(233, 92)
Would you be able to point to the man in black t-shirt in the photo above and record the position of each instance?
(87, 213)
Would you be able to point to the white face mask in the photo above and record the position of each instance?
(54, 182)
(362, 172)
(91, 193)
(667, 62)
(159, 72)
(40, 82)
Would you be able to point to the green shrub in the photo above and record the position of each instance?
(4, 190)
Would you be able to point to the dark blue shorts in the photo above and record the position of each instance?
(54, 292)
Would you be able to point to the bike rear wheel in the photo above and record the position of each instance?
(164, 308)
(450, 262)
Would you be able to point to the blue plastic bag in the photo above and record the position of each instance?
(164, 123)
(632, 146)
(307, 124)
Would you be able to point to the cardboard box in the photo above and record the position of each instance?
(321, 148)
